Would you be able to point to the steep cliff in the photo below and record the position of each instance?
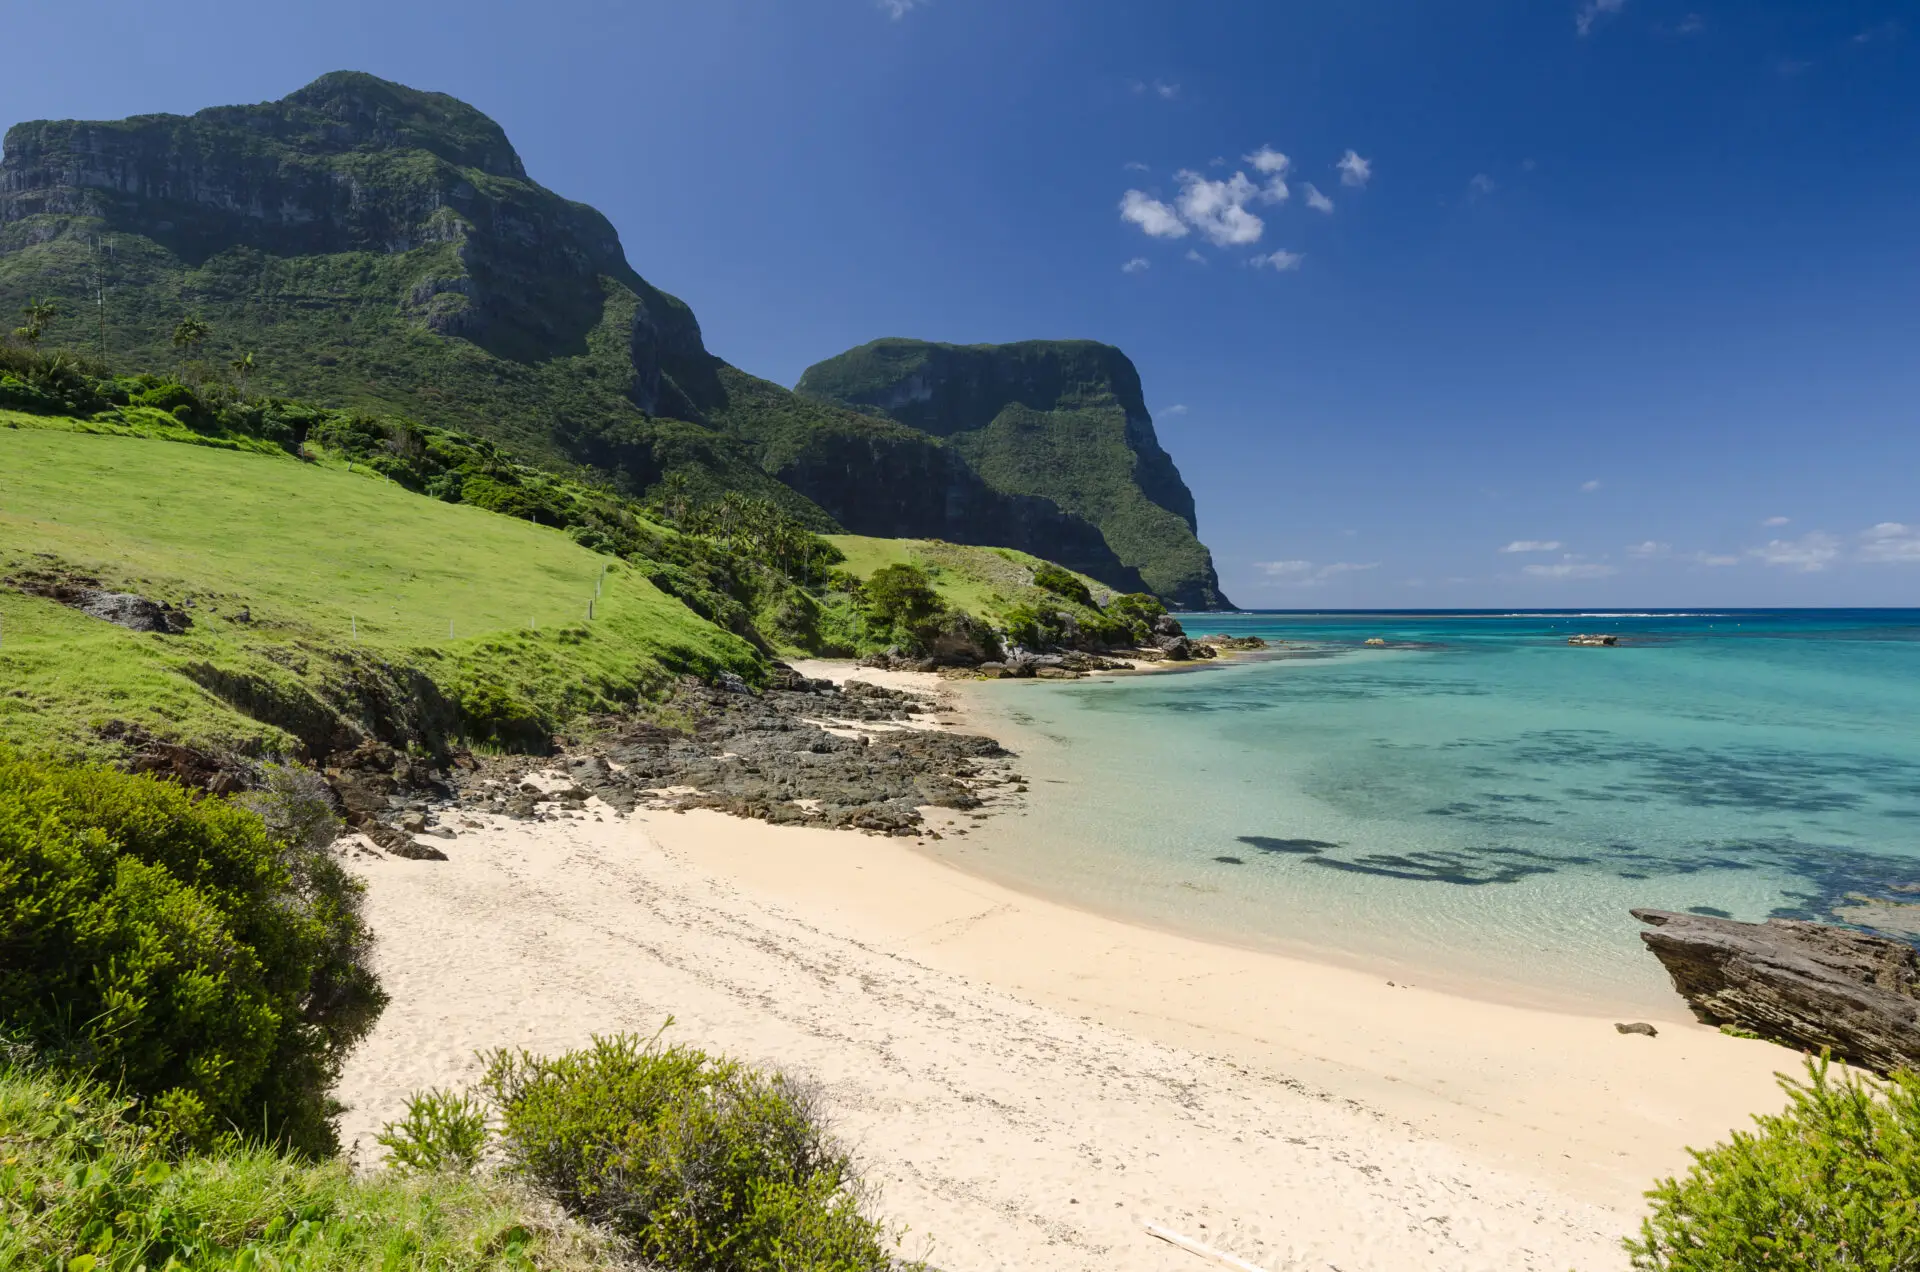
(372, 246)
(1062, 420)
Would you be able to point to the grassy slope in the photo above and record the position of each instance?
(313, 552)
(985, 582)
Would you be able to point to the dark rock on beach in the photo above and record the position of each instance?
(858, 756)
(1808, 985)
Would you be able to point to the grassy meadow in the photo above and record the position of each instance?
(346, 578)
(982, 581)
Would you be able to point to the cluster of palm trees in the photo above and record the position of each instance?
(39, 311)
(743, 524)
(190, 333)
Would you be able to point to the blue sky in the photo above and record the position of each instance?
(1617, 302)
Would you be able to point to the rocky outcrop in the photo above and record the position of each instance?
(1063, 420)
(1809, 985)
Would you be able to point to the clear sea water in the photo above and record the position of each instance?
(1477, 805)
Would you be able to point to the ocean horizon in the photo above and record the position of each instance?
(1477, 804)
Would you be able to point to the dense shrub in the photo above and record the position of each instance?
(1034, 627)
(1051, 578)
(85, 1187)
(901, 607)
(1831, 1183)
(177, 950)
(703, 1163)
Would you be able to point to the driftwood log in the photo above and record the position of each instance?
(1808, 985)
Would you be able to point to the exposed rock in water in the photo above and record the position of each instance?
(1808, 985)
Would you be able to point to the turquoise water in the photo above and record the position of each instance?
(1478, 804)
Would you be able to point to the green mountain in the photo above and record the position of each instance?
(1062, 420)
(381, 249)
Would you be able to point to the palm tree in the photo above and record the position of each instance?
(242, 368)
(188, 335)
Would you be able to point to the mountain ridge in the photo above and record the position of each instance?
(381, 248)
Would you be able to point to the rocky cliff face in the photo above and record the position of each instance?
(378, 247)
(1062, 420)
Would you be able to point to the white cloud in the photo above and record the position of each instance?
(1776, 521)
(1156, 218)
(1278, 261)
(1272, 165)
(1692, 24)
(1590, 486)
(1178, 408)
(1571, 570)
(1316, 200)
(1809, 553)
(1135, 265)
(1354, 171)
(1162, 89)
(1533, 545)
(1591, 11)
(1891, 543)
(1480, 186)
(898, 9)
(1269, 162)
(1649, 548)
(1218, 209)
(1134, 165)
(1193, 254)
(1307, 574)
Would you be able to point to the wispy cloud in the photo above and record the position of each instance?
(1354, 171)
(1591, 12)
(1134, 165)
(1178, 408)
(1480, 186)
(1316, 200)
(1308, 574)
(1810, 553)
(1692, 24)
(1136, 265)
(1648, 549)
(1716, 559)
(1890, 29)
(898, 9)
(1891, 543)
(1588, 487)
(1570, 570)
(1776, 521)
(1193, 254)
(1272, 165)
(1165, 90)
(1279, 261)
(1156, 218)
(1533, 545)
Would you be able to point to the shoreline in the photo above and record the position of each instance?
(1030, 1082)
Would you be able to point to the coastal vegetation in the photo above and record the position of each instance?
(1831, 1183)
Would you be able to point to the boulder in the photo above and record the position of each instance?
(1808, 985)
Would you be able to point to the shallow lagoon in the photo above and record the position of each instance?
(1478, 804)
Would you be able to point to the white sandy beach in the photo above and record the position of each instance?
(1028, 1084)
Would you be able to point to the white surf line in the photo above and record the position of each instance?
(1195, 1247)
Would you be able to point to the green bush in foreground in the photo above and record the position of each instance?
(442, 1131)
(178, 951)
(701, 1162)
(1832, 1183)
(86, 1189)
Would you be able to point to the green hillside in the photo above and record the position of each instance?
(1062, 420)
(986, 582)
(352, 585)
